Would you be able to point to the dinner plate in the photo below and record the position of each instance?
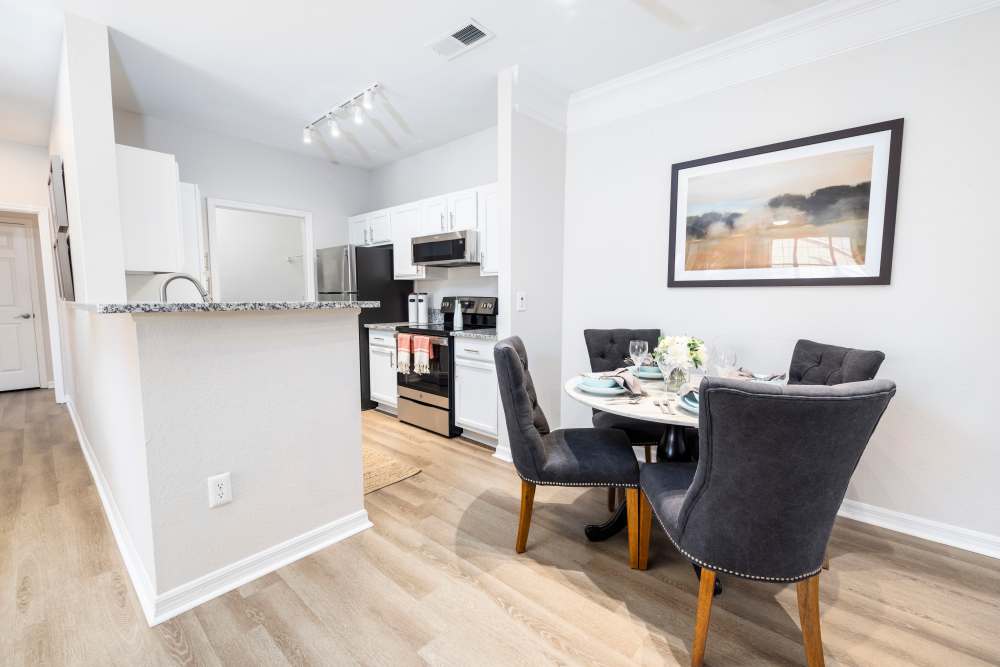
(601, 391)
(647, 372)
(687, 407)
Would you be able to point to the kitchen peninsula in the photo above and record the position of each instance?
(266, 392)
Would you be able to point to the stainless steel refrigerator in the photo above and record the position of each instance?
(354, 273)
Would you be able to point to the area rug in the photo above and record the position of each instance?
(382, 469)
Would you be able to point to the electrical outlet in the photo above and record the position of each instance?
(220, 490)
(522, 302)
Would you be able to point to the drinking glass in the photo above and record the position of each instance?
(638, 349)
(725, 363)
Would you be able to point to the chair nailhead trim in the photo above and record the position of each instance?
(624, 485)
(724, 570)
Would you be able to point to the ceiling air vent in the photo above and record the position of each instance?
(467, 36)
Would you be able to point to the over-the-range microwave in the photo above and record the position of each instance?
(458, 248)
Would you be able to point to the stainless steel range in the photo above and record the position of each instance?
(427, 399)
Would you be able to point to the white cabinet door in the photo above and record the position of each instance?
(475, 394)
(489, 232)
(357, 227)
(379, 228)
(434, 216)
(462, 211)
(148, 199)
(382, 374)
(405, 223)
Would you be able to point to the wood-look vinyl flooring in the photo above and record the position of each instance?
(437, 580)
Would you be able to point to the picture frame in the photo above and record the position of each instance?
(819, 210)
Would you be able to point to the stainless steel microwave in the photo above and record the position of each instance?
(458, 248)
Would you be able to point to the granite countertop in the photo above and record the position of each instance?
(223, 306)
(480, 334)
(385, 326)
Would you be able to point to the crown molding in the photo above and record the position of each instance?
(813, 34)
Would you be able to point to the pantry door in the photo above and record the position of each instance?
(18, 355)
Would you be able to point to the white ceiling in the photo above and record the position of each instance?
(262, 70)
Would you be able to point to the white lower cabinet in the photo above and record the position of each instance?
(475, 386)
(382, 372)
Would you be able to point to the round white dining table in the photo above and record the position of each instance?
(646, 409)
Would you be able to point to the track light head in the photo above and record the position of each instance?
(359, 115)
(367, 100)
(334, 127)
(307, 135)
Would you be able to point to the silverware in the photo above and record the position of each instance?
(660, 406)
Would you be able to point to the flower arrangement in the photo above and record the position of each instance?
(681, 351)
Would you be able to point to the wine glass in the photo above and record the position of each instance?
(637, 350)
(725, 363)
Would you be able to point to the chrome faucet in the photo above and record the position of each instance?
(185, 276)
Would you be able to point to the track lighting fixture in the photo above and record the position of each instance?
(355, 106)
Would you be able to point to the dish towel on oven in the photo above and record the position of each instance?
(422, 354)
(403, 353)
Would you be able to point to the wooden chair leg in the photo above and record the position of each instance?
(649, 453)
(612, 498)
(706, 592)
(645, 527)
(826, 560)
(632, 499)
(808, 594)
(524, 522)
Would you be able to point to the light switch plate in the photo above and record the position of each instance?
(220, 490)
(522, 302)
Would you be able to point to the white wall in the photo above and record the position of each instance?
(936, 452)
(463, 163)
(229, 168)
(23, 176)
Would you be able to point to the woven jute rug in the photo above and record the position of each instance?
(383, 469)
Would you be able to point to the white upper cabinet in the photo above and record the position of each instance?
(379, 225)
(489, 231)
(435, 216)
(405, 224)
(357, 230)
(462, 211)
(148, 193)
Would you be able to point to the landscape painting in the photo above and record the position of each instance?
(801, 212)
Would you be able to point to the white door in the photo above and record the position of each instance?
(18, 355)
(462, 210)
(382, 374)
(489, 232)
(476, 396)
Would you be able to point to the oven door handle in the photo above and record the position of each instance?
(435, 340)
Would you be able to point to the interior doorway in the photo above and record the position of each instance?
(260, 253)
(22, 340)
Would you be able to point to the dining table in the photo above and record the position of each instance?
(657, 405)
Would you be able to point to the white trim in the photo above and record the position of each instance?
(141, 581)
(187, 596)
(503, 453)
(308, 248)
(163, 607)
(928, 529)
(812, 34)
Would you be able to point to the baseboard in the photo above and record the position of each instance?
(225, 579)
(141, 582)
(503, 453)
(934, 531)
(163, 607)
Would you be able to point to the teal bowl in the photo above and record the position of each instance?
(598, 382)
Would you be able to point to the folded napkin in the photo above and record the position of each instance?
(423, 352)
(403, 347)
(623, 378)
(748, 375)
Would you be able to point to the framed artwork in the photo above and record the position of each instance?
(814, 211)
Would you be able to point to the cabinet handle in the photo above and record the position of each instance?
(473, 350)
(451, 217)
(441, 220)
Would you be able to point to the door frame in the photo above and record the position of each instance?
(309, 250)
(52, 299)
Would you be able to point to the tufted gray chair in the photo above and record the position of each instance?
(819, 363)
(761, 501)
(565, 457)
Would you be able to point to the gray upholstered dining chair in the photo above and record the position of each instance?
(760, 503)
(819, 363)
(564, 457)
(608, 350)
